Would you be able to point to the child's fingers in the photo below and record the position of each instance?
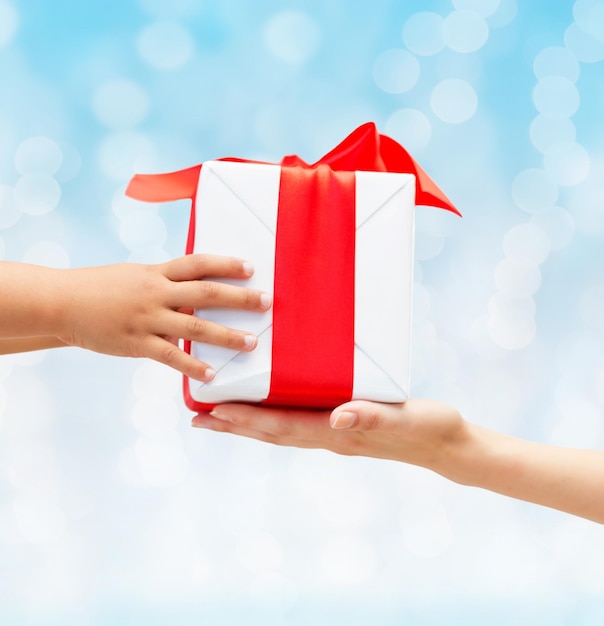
(202, 294)
(168, 353)
(197, 266)
(201, 330)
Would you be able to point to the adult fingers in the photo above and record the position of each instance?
(208, 422)
(197, 266)
(281, 423)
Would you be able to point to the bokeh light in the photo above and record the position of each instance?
(584, 46)
(292, 36)
(120, 104)
(411, 127)
(171, 8)
(9, 21)
(546, 132)
(592, 307)
(517, 276)
(38, 155)
(504, 15)
(454, 101)
(49, 253)
(556, 96)
(122, 154)
(396, 71)
(533, 190)
(422, 33)
(37, 194)
(9, 210)
(527, 241)
(589, 15)
(567, 163)
(165, 46)
(556, 61)
(140, 230)
(485, 8)
(465, 31)
(558, 224)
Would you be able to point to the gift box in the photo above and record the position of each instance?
(333, 243)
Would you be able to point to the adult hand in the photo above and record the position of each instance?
(432, 435)
(417, 431)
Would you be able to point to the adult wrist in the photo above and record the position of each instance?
(463, 456)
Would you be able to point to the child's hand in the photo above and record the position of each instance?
(142, 310)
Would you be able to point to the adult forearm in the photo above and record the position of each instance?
(567, 479)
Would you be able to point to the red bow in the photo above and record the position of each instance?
(363, 150)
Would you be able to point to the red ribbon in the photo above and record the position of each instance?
(313, 310)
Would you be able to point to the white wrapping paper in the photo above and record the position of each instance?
(236, 215)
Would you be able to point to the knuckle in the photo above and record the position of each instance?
(197, 327)
(232, 339)
(284, 430)
(373, 421)
(170, 355)
(148, 278)
(201, 260)
(211, 290)
(251, 299)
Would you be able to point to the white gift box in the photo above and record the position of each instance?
(236, 215)
(333, 242)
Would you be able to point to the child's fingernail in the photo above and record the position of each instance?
(345, 419)
(249, 341)
(265, 300)
(209, 374)
(248, 268)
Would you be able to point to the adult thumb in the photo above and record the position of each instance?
(363, 415)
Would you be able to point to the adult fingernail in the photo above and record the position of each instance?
(248, 268)
(220, 416)
(209, 374)
(345, 419)
(265, 300)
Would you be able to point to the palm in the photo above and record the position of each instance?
(413, 431)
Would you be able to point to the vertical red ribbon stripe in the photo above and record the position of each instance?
(313, 310)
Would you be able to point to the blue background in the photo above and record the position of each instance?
(112, 509)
